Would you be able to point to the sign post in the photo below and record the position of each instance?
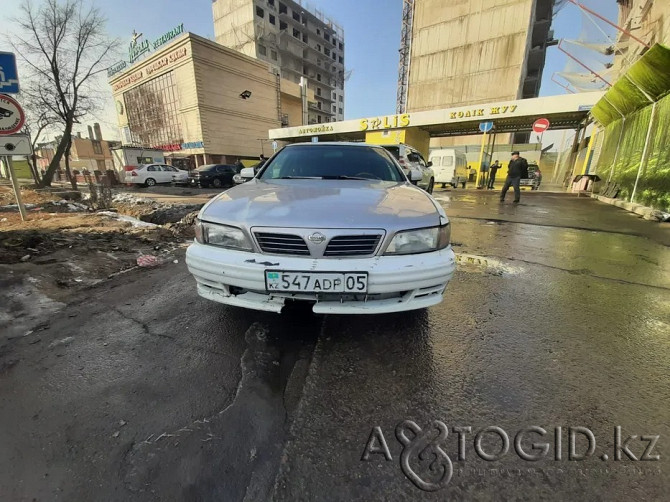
(15, 186)
(12, 119)
(539, 126)
(485, 127)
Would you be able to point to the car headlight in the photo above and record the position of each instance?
(221, 235)
(423, 240)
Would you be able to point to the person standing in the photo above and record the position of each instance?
(517, 166)
(492, 174)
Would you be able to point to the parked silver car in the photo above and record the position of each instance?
(335, 224)
(411, 160)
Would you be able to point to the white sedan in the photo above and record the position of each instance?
(337, 225)
(153, 174)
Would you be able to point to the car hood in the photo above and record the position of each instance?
(324, 204)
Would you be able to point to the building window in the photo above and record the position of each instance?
(318, 77)
(341, 46)
(326, 51)
(153, 112)
(282, 8)
(296, 33)
(272, 19)
(341, 111)
(318, 31)
(304, 20)
(334, 96)
(334, 56)
(97, 147)
(273, 55)
(341, 59)
(341, 99)
(296, 16)
(304, 70)
(334, 108)
(262, 50)
(282, 25)
(327, 37)
(318, 118)
(271, 2)
(260, 12)
(318, 47)
(318, 91)
(304, 37)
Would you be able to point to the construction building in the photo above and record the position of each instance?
(470, 52)
(298, 41)
(643, 23)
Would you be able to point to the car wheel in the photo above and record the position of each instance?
(216, 183)
(444, 185)
(150, 182)
(431, 185)
(463, 184)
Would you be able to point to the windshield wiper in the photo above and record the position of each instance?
(339, 177)
(299, 178)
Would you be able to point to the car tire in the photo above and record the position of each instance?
(431, 186)
(444, 185)
(216, 183)
(463, 184)
(149, 182)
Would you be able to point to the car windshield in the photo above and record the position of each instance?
(332, 162)
(206, 167)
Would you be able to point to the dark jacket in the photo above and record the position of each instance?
(517, 168)
(494, 168)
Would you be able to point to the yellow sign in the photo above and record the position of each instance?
(387, 122)
(479, 112)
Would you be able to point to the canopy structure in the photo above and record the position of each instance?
(563, 112)
(646, 81)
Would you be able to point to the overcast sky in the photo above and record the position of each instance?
(372, 39)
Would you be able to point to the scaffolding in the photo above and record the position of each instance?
(405, 53)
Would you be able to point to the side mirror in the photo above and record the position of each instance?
(247, 173)
(430, 163)
(238, 179)
(415, 175)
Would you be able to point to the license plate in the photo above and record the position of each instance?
(314, 282)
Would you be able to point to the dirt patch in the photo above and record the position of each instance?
(64, 247)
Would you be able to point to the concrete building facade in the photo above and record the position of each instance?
(299, 41)
(646, 20)
(466, 52)
(201, 103)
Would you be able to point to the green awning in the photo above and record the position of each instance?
(651, 73)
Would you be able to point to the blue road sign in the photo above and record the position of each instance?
(9, 77)
(485, 126)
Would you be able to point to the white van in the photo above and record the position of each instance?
(450, 167)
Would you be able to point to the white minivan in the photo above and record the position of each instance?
(450, 167)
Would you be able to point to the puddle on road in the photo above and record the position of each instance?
(485, 265)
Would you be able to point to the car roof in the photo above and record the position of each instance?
(359, 144)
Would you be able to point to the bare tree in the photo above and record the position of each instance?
(38, 120)
(65, 46)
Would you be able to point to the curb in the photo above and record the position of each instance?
(648, 213)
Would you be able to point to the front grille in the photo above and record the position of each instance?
(352, 245)
(281, 243)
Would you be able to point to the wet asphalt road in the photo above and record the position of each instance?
(559, 316)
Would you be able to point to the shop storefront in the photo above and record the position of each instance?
(197, 101)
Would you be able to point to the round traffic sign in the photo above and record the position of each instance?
(485, 126)
(11, 115)
(540, 125)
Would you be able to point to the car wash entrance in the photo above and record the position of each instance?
(562, 112)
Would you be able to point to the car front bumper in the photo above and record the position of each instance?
(395, 283)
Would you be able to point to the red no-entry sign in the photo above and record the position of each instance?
(540, 125)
